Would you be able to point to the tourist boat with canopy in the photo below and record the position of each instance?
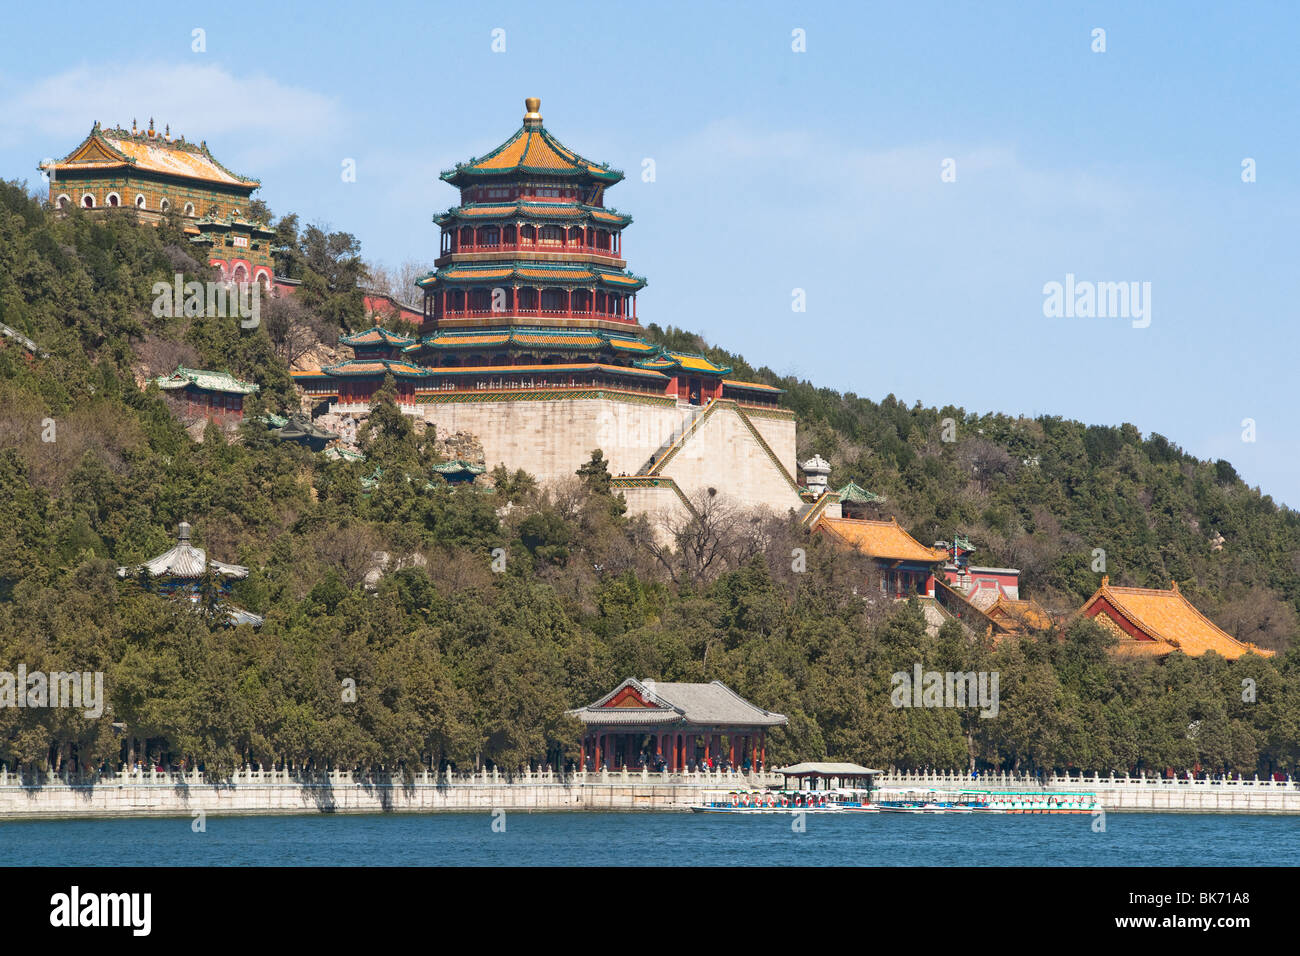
(783, 801)
(1041, 801)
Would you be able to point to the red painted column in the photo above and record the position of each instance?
(762, 737)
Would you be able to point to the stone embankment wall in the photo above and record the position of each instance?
(254, 792)
(1124, 793)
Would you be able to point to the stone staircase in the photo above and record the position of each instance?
(665, 452)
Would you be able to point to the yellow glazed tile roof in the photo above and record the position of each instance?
(695, 363)
(533, 149)
(1020, 614)
(542, 338)
(759, 386)
(488, 338)
(166, 159)
(578, 274)
(152, 154)
(488, 210)
(879, 539)
(1168, 617)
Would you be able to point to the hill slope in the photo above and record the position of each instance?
(453, 662)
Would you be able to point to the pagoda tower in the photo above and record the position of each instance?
(531, 273)
(529, 340)
(532, 231)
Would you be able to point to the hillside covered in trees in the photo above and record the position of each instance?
(456, 663)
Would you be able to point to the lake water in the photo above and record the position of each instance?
(657, 839)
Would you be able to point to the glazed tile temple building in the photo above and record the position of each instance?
(530, 340)
(158, 175)
(200, 393)
(1151, 622)
(674, 727)
(179, 573)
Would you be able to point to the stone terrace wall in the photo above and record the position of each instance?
(279, 792)
(1139, 794)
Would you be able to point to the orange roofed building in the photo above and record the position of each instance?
(905, 564)
(1154, 623)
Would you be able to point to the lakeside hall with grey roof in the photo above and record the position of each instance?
(674, 726)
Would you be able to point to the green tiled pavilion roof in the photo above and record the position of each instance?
(206, 380)
(376, 336)
(560, 273)
(856, 493)
(524, 210)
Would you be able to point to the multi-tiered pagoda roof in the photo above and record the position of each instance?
(530, 292)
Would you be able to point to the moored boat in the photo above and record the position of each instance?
(774, 801)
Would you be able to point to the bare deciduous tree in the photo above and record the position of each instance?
(715, 535)
(293, 329)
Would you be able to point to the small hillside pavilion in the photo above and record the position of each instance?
(674, 726)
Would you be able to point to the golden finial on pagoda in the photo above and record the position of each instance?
(533, 117)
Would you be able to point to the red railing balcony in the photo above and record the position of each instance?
(573, 248)
(549, 313)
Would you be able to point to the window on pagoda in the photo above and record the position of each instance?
(527, 234)
(528, 300)
(466, 237)
(575, 236)
(489, 236)
(480, 300)
(582, 301)
(551, 236)
(88, 201)
(140, 201)
(509, 235)
(113, 199)
(553, 300)
(602, 240)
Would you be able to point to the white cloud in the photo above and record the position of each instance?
(258, 120)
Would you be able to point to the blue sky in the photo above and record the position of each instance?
(778, 170)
